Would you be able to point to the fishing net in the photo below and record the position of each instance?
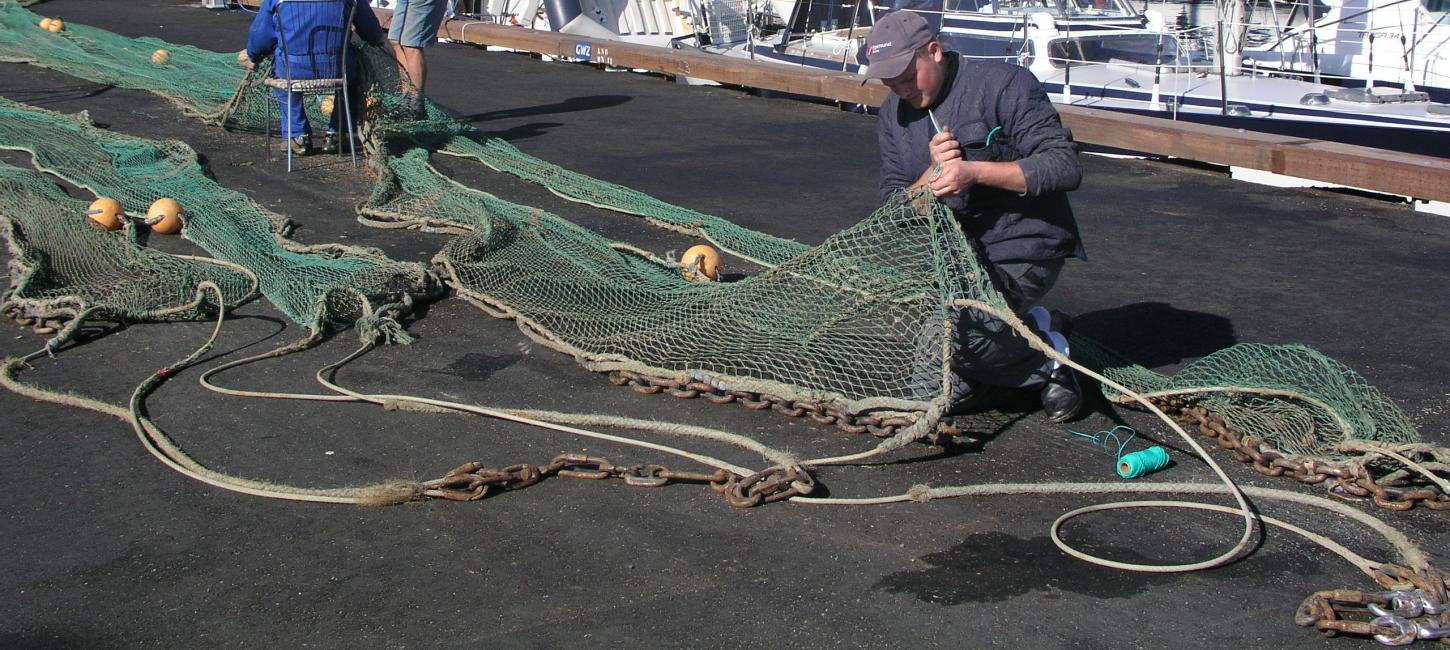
(859, 321)
(311, 285)
(62, 266)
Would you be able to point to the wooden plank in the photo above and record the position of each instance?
(1422, 177)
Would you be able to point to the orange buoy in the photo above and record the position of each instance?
(700, 262)
(106, 212)
(326, 107)
(45, 24)
(160, 57)
(56, 25)
(164, 216)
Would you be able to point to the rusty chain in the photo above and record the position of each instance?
(474, 481)
(876, 424)
(1362, 477)
(45, 326)
(1412, 608)
(769, 486)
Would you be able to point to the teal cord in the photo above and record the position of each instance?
(1143, 463)
(1129, 466)
(1106, 439)
(991, 133)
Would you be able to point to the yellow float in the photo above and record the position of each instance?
(160, 57)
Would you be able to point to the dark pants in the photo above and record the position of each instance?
(985, 351)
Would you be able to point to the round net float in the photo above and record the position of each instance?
(106, 212)
(45, 23)
(326, 107)
(55, 26)
(164, 216)
(374, 108)
(242, 58)
(700, 264)
(160, 57)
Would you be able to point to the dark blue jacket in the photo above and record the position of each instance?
(314, 33)
(976, 98)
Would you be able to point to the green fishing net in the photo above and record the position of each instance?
(311, 285)
(858, 321)
(63, 266)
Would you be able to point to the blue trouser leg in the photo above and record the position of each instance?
(355, 104)
(296, 116)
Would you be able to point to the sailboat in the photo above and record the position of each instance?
(1106, 54)
(1377, 45)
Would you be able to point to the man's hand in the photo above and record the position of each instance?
(954, 177)
(944, 147)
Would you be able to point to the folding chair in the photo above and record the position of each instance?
(323, 27)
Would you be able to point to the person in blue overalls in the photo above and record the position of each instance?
(314, 33)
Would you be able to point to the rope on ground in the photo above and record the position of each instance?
(155, 441)
(552, 420)
(1408, 550)
(1385, 450)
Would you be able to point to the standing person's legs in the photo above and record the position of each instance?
(415, 27)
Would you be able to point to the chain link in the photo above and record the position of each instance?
(827, 413)
(769, 486)
(474, 481)
(45, 326)
(1412, 608)
(1361, 477)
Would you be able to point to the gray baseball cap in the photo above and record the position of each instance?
(893, 42)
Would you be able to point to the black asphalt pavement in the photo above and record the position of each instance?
(106, 548)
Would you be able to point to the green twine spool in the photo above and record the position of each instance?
(1141, 463)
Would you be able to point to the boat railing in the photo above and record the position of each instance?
(1399, 41)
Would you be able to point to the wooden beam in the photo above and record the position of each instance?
(1422, 177)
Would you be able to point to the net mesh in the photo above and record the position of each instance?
(63, 266)
(311, 285)
(858, 320)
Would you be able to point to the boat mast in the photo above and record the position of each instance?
(1410, 52)
(1230, 50)
(1233, 40)
(850, 34)
(1067, 51)
(1218, 56)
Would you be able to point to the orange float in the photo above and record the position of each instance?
(700, 261)
(106, 212)
(164, 216)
